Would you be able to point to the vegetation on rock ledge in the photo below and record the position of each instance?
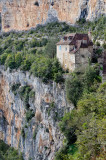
(84, 126)
(8, 153)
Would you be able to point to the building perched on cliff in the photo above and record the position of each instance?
(74, 50)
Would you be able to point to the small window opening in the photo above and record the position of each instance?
(60, 48)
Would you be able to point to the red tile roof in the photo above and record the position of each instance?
(74, 40)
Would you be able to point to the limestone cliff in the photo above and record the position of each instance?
(24, 14)
(40, 137)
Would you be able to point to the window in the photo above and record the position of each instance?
(65, 66)
(66, 49)
(60, 48)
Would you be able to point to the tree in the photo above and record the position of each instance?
(87, 123)
(73, 89)
(50, 48)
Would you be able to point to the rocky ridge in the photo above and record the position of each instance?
(40, 137)
(25, 14)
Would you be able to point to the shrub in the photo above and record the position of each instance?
(34, 43)
(84, 127)
(15, 87)
(97, 43)
(3, 58)
(26, 64)
(74, 89)
(104, 45)
(19, 45)
(18, 59)
(42, 68)
(24, 95)
(79, 84)
(29, 115)
(32, 95)
(50, 49)
(10, 62)
(8, 153)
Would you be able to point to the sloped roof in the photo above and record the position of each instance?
(75, 37)
(62, 42)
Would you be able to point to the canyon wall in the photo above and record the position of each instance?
(39, 138)
(25, 14)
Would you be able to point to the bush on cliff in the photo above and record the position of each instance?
(29, 115)
(81, 83)
(84, 127)
(3, 58)
(10, 62)
(47, 69)
(8, 153)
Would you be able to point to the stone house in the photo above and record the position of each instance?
(74, 50)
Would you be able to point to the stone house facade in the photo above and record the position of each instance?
(74, 50)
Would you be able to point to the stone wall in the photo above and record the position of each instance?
(82, 57)
(66, 58)
(24, 14)
(42, 136)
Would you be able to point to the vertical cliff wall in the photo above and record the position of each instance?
(39, 138)
(24, 14)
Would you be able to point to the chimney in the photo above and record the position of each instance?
(89, 35)
(84, 40)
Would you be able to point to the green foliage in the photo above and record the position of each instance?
(30, 50)
(104, 45)
(3, 58)
(42, 68)
(50, 49)
(32, 94)
(51, 107)
(74, 89)
(10, 62)
(79, 84)
(18, 59)
(47, 69)
(24, 93)
(96, 27)
(15, 87)
(26, 64)
(29, 115)
(81, 21)
(8, 153)
(87, 124)
(19, 45)
(61, 154)
(99, 51)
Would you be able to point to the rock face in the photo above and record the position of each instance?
(24, 14)
(39, 138)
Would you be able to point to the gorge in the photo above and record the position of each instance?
(37, 96)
